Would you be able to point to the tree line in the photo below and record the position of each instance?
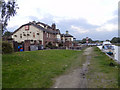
(113, 40)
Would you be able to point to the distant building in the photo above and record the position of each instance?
(67, 39)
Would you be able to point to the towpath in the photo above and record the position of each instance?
(76, 78)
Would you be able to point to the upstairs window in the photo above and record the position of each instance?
(24, 34)
(15, 35)
(38, 34)
(20, 35)
(33, 34)
(27, 27)
(28, 34)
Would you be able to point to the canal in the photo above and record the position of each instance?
(116, 51)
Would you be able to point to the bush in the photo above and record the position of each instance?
(6, 48)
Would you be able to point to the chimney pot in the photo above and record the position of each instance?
(66, 32)
(53, 26)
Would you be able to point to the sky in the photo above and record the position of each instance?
(96, 19)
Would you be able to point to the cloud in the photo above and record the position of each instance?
(107, 27)
(79, 29)
(80, 17)
(96, 12)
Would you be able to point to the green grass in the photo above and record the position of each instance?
(101, 74)
(36, 69)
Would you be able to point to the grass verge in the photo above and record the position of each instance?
(36, 69)
(101, 74)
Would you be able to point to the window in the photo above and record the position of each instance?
(15, 35)
(47, 34)
(27, 27)
(33, 34)
(28, 34)
(20, 35)
(37, 33)
(31, 40)
(24, 34)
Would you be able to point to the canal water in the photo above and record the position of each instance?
(116, 51)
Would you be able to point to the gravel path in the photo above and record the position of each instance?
(76, 78)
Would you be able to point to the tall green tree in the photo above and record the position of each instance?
(7, 33)
(115, 40)
(8, 10)
(89, 40)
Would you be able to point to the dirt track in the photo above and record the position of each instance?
(77, 77)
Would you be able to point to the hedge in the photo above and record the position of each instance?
(6, 48)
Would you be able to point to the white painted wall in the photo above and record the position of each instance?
(69, 38)
(32, 29)
(58, 36)
(41, 25)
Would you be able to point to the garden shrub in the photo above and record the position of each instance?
(6, 48)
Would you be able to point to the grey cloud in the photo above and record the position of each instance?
(65, 24)
(48, 19)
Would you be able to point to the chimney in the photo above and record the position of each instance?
(66, 32)
(34, 22)
(53, 26)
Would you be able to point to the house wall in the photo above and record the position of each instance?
(45, 37)
(48, 37)
(68, 44)
(69, 38)
(32, 34)
(63, 39)
(58, 37)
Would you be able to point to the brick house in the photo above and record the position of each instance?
(38, 33)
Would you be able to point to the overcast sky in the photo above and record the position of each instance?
(96, 19)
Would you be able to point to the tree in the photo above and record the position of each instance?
(107, 40)
(8, 10)
(84, 40)
(115, 40)
(7, 33)
(89, 40)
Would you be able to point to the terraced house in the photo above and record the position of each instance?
(37, 33)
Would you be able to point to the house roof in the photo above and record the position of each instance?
(67, 35)
(20, 27)
(39, 27)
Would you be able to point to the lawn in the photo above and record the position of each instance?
(36, 69)
(101, 74)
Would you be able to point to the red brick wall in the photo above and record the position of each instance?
(51, 38)
(68, 43)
